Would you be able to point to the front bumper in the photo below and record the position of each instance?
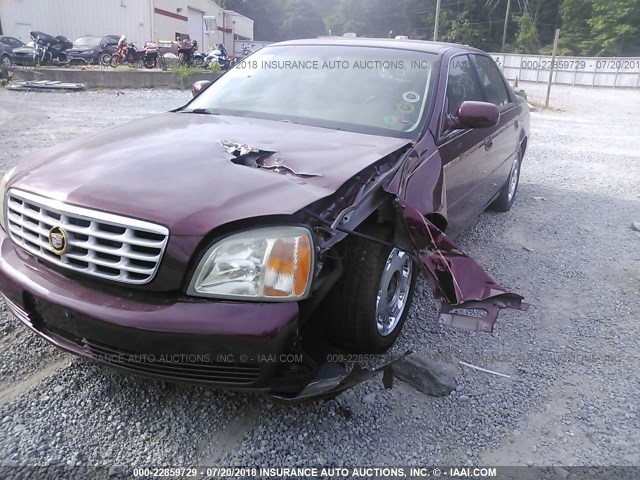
(229, 345)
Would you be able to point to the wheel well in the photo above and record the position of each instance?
(438, 220)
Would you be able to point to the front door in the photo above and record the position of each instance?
(463, 150)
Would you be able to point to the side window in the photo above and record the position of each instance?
(462, 84)
(492, 81)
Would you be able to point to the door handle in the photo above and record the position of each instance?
(488, 143)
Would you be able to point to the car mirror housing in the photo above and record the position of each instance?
(199, 86)
(472, 114)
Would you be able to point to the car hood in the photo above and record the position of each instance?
(172, 169)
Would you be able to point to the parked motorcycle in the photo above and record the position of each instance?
(129, 53)
(219, 56)
(198, 59)
(49, 49)
(187, 52)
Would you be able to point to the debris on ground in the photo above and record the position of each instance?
(427, 376)
(480, 369)
(45, 85)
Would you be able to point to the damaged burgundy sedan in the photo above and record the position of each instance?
(280, 216)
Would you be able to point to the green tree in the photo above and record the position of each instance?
(301, 20)
(602, 27)
(615, 27)
(266, 15)
(526, 38)
(575, 31)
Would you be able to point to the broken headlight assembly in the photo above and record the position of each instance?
(274, 264)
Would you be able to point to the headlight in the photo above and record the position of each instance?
(3, 187)
(90, 52)
(265, 264)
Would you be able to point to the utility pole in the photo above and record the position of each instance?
(553, 62)
(435, 28)
(506, 20)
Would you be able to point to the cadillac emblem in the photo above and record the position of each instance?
(58, 240)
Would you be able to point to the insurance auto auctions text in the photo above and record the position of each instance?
(334, 64)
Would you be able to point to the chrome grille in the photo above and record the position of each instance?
(100, 244)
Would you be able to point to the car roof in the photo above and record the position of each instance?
(426, 46)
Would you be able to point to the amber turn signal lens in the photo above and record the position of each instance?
(288, 267)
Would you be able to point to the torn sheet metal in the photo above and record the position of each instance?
(45, 85)
(250, 156)
(238, 149)
(333, 378)
(455, 277)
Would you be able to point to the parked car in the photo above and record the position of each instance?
(22, 54)
(93, 49)
(247, 239)
(6, 55)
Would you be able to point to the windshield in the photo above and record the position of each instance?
(380, 91)
(87, 42)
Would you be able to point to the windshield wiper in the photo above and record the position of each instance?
(205, 111)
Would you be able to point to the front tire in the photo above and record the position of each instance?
(104, 59)
(6, 61)
(507, 195)
(368, 306)
(116, 61)
(150, 62)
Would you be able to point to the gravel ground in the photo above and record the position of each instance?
(572, 398)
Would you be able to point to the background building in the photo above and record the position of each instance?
(141, 20)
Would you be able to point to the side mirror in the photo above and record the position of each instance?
(199, 86)
(474, 115)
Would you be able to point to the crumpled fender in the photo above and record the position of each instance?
(455, 277)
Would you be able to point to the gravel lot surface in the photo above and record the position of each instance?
(572, 399)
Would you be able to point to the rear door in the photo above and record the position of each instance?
(504, 136)
(463, 150)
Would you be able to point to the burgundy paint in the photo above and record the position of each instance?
(178, 175)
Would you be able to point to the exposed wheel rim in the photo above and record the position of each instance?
(393, 291)
(6, 61)
(513, 179)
